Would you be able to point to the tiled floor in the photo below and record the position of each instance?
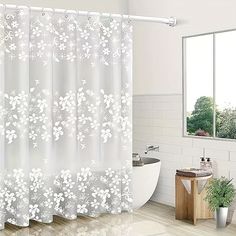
(151, 220)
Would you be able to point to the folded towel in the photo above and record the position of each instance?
(136, 157)
(193, 172)
(138, 163)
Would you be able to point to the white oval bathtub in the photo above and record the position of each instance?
(145, 181)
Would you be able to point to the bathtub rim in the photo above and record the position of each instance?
(149, 161)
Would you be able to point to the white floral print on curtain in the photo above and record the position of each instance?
(65, 115)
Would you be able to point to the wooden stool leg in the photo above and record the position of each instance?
(194, 193)
(181, 203)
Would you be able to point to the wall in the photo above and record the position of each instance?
(157, 48)
(157, 111)
(157, 119)
(114, 6)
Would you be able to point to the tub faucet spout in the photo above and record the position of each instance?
(151, 148)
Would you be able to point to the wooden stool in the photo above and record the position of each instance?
(189, 203)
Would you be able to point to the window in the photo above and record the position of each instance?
(209, 71)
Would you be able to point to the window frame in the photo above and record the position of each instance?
(184, 88)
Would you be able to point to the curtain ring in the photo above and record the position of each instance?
(43, 13)
(122, 18)
(17, 9)
(111, 19)
(66, 14)
(88, 16)
(129, 20)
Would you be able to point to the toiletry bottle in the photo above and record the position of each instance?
(209, 165)
(202, 163)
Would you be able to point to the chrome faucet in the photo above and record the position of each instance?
(151, 148)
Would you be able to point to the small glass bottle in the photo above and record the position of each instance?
(202, 163)
(208, 164)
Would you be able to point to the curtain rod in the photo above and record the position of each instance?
(171, 21)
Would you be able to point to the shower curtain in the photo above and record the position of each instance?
(65, 115)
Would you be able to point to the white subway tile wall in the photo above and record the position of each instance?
(157, 120)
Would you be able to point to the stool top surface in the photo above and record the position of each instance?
(194, 178)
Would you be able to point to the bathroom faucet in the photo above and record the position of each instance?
(151, 148)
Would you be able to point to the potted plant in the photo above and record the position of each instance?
(220, 195)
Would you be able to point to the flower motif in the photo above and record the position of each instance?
(12, 47)
(43, 118)
(9, 198)
(114, 24)
(105, 134)
(58, 197)
(82, 209)
(62, 46)
(86, 47)
(82, 119)
(32, 134)
(63, 37)
(80, 97)
(108, 99)
(45, 136)
(94, 124)
(19, 33)
(103, 41)
(23, 56)
(48, 203)
(33, 118)
(13, 101)
(33, 210)
(80, 136)
(41, 45)
(107, 31)
(95, 204)
(84, 34)
(11, 135)
(42, 104)
(71, 27)
(71, 57)
(69, 194)
(36, 31)
(109, 172)
(82, 187)
(115, 190)
(92, 108)
(14, 24)
(57, 132)
(106, 51)
(48, 192)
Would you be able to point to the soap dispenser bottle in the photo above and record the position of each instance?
(209, 164)
(202, 163)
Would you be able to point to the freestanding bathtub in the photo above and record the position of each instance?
(145, 180)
